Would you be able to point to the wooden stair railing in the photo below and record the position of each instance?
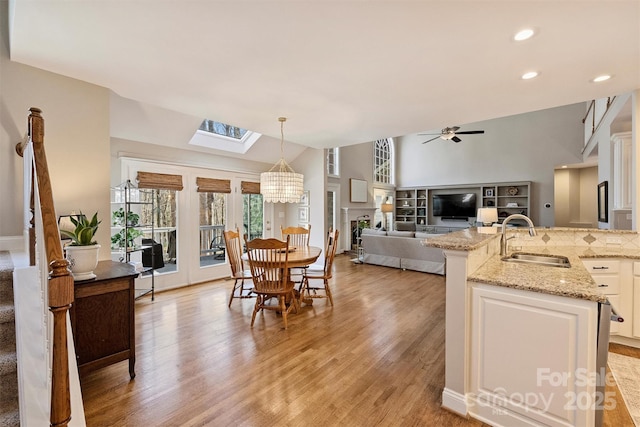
(60, 281)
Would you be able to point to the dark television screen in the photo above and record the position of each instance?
(454, 205)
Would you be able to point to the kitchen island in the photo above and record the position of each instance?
(522, 339)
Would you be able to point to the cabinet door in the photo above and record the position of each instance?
(636, 306)
(518, 341)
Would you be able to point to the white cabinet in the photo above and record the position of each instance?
(613, 278)
(521, 344)
(636, 300)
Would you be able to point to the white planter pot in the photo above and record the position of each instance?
(82, 261)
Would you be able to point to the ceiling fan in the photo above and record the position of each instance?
(450, 133)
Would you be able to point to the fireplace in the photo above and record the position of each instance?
(355, 233)
(350, 217)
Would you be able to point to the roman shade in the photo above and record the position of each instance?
(248, 187)
(211, 185)
(159, 181)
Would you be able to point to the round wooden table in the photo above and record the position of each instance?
(303, 256)
(300, 257)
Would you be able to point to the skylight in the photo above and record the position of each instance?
(221, 136)
(222, 129)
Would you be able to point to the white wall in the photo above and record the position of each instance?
(311, 163)
(524, 147)
(76, 139)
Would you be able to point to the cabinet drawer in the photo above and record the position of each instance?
(607, 284)
(602, 266)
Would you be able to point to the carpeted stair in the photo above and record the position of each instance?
(9, 416)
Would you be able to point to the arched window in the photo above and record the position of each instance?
(383, 161)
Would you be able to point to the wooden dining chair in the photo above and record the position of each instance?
(323, 274)
(298, 237)
(238, 273)
(268, 260)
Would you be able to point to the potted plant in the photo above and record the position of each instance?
(122, 239)
(82, 252)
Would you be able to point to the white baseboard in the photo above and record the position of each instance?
(12, 243)
(454, 402)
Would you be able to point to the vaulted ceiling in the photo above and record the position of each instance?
(343, 72)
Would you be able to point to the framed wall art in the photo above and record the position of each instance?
(303, 214)
(304, 199)
(359, 190)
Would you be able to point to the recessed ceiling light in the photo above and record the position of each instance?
(602, 78)
(525, 34)
(564, 166)
(529, 75)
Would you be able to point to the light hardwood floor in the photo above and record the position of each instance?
(375, 358)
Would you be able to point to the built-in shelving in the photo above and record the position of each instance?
(414, 204)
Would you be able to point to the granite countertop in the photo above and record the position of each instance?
(573, 282)
(464, 240)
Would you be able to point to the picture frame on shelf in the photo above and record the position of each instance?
(303, 214)
(603, 202)
(304, 199)
(488, 192)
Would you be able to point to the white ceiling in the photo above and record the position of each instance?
(343, 72)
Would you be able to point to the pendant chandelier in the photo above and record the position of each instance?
(281, 184)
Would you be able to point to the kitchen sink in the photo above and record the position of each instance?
(548, 260)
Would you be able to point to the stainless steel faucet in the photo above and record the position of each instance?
(503, 239)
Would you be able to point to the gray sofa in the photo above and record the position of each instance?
(402, 249)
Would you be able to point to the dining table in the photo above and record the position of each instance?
(298, 257)
(302, 256)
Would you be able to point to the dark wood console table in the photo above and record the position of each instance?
(102, 317)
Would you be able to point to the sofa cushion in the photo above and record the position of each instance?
(393, 233)
(373, 231)
(405, 226)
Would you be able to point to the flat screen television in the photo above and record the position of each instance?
(454, 206)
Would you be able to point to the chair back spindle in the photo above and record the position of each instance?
(299, 236)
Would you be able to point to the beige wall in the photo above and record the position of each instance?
(76, 118)
(576, 197)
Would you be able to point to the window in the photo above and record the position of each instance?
(222, 129)
(382, 161)
(252, 210)
(164, 218)
(332, 162)
(213, 212)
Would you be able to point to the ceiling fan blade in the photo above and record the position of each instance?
(456, 139)
(453, 129)
(432, 139)
(469, 132)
